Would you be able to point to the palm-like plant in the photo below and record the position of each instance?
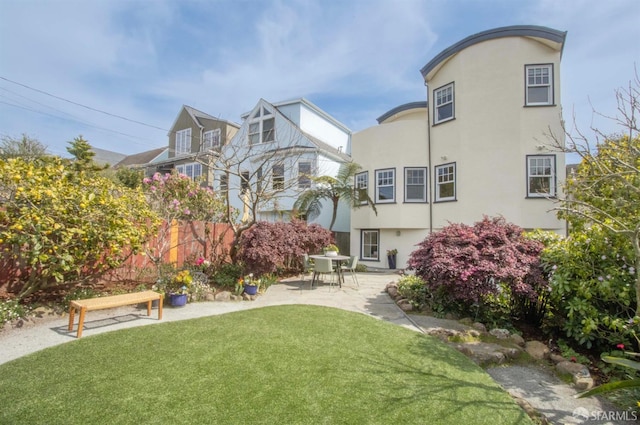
(334, 189)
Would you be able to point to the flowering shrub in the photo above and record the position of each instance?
(592, 287)
(12, 310)
(414, 289)
(181, 283)
(277, 247)
(467, 265)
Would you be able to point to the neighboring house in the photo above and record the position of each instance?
(144, 160)
(195, 139)
(104, 157)
(267, 164)
(478, 147)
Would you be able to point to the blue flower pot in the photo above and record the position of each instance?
(178, 300)
(250, 289)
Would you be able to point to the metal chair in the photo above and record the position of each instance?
(351, 267)
(322, 266)
(307, 267)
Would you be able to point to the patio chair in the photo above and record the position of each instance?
(307, 267)
(351, 267)
(322, 266)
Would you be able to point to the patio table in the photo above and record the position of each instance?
(337, 259)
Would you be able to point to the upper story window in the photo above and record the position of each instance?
(262, 127)
(446, 182)
(192, 170)
(415, 184)
(385, 186)
(444, 98)
(211, 140)
(539, 83)
(304, 175)
(361, 186)
(224, 182)
(183, 141)
(277, 177)
(244, 181)
(541, 176)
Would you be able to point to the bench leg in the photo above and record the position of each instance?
(149, 308)
(72, 314)
(83, 310)
(160, 307)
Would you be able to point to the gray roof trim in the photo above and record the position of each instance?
(511, 31)
(401, 108)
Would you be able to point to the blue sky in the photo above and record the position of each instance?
(142, 60)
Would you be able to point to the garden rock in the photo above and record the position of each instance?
(556, 358)
(580, 374)
(392, 290)
(500, 333)
(484, 353)
(517, 339)
(405, 305)
(537, 350)
(223, 296)
(480, 327)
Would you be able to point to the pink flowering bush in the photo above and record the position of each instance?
(279, 247)
(475, 266)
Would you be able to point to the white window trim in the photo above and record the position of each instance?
(424, 185)
(259, 118)
(189, 170)
(378, 186)
(211, 140)
(362, 251)
(183, 141)
(549, 86)
(362, 184)
(551, 177)
(437, 182)
(439, 105)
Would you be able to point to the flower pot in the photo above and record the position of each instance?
(392, 261)
(251, 289)
(178, 300)
(331, 254)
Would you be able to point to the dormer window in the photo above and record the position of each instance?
(211, 140)
(183, 141)
(262, 127)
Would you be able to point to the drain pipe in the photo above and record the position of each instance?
(431, 171)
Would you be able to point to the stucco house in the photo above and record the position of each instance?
(478, 145)
(195, 139)
(267, 163)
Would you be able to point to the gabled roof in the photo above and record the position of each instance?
(553, 38)
(196, 115)
(141, 158)
(400, 109)
(103, 156)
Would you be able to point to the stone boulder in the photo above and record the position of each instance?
(579, 373)
(537, 350)
(500, 333)
(223, 296)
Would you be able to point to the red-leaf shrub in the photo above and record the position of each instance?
(467, 264)
(279, 247)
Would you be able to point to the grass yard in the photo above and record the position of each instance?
(275, 365)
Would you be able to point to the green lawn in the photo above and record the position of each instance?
(275, 365)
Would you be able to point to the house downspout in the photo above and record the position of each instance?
(429, 162)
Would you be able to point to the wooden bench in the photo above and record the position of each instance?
(113, 301)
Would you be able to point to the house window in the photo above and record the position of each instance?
(277, 177)
(385, 186)
(539, 82)
(183, 141)
(541, 176)
(224, 182)
(304, 175)
(361, 186)
(192, 170)
(446, 182)
(259, 180)
(262, 127)
(244, 181)
(415, 185)
(444, 103)
(211, 140)
(370, 244)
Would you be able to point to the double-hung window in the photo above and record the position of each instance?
(211, 140)
(304, 175)
(244, 181)
(539, 83)
(370, 240)
(415, 184)
(446, 182)
(444, 100)
(277, 177)
(361, 186)
(541, 176)
(183, 141)
(385, 186)
(224, 182)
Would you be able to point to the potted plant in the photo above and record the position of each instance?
(331, 250)
(178, 288)
(391, 257)
(250, 284)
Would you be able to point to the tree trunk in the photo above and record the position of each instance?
(635, 239)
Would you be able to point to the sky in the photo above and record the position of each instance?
(117, 72)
